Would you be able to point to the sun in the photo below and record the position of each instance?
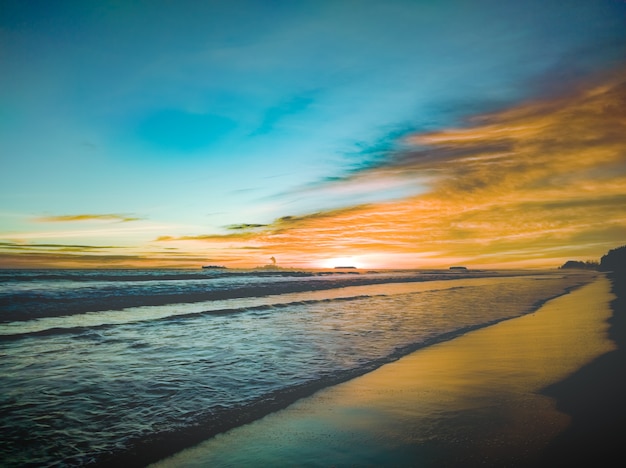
(377, 260)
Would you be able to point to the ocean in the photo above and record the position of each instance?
(111, 367)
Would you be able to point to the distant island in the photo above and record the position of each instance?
(269, 267)
(213, 267)
(578, 265)
(345, 267)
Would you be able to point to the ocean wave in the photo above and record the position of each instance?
(30, 300)
(25, 300)
(119, 394)
(76, 324)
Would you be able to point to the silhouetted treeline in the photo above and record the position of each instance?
(588, 265)
(614, 260)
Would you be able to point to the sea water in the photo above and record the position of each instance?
(107, 365)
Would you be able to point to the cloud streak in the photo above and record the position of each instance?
(47, 255)
(87, 217)
(530, 185)
(54, 247)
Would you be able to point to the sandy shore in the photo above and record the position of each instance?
(594, 397)
(475, 400)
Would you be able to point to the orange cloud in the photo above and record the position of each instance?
(87, 217)
(533, 185)
(24, 255)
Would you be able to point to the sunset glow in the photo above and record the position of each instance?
(232, 143)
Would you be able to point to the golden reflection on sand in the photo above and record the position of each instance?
(468, 401)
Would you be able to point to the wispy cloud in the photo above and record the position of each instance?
(244, 227)
(87, 217)
(43, 255)
(528, 185)
(531, 185)
(54, 247)
(287, 108)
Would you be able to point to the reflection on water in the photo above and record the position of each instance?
(472, 400)
(90, 385)
(127, 315)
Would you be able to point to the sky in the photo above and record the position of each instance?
(377, 134)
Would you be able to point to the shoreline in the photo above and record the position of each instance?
(460, 399)
(594, 398)
(162, 445)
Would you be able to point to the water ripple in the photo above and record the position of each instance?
(84, 395)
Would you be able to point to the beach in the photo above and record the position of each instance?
(496, 396)
(594, 398)
(127, 368)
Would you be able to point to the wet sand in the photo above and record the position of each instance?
(474, 400)
(594, 397)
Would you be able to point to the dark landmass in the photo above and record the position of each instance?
(614, 260)
(578, 265)
(595, 396)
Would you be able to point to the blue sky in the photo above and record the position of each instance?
(193, 116)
